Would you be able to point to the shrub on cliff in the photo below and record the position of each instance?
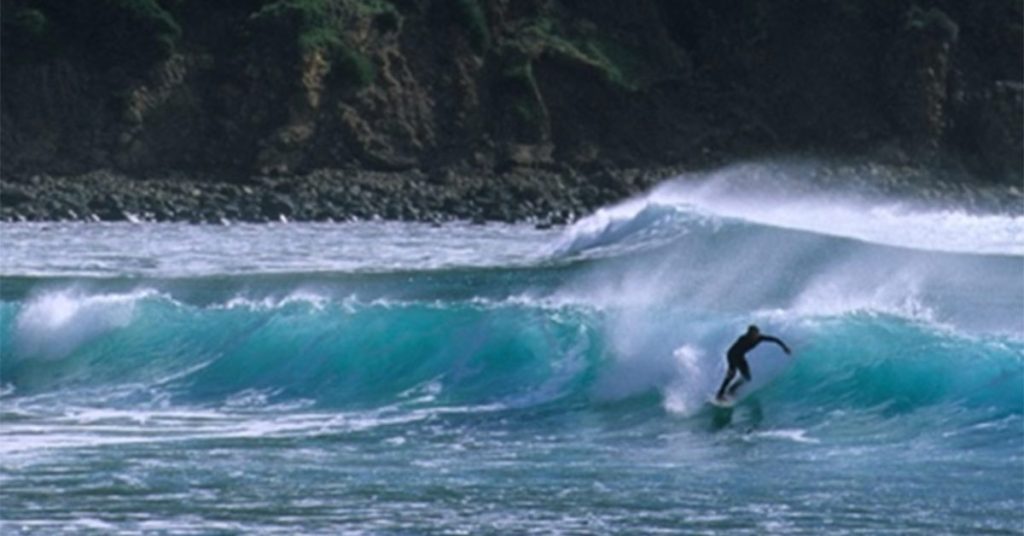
(623, 66)
(317, 25)
(130, 34)
(27, 35)
(471, 17)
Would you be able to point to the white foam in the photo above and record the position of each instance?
(751, 267)
(707, 197)
(892, 223)
(843, 292)
(182, 250)
(693, 384)
(796, 435)
(90, 427)
(304, 297)
(53, 324)
(634, 224)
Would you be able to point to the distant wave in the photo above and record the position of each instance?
(725, 197)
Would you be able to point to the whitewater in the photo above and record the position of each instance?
(397, 378)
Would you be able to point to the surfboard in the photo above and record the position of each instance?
(724, 403)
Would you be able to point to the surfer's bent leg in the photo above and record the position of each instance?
(744, 368)
(725, 383)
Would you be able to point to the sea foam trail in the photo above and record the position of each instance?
(172, 250)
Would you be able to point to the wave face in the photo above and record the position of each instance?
(503, 361)
(515, 352)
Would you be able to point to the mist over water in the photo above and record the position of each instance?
(386, 377)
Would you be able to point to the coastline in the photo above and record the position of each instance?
(543, 197)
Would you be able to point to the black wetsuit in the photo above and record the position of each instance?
(737, 353)
(737, 357)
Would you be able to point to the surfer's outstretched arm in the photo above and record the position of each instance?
(776, 340)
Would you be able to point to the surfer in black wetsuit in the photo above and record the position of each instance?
(737, 356)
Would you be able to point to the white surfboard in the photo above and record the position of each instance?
(724, 403)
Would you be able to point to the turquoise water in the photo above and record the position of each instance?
(400, 378)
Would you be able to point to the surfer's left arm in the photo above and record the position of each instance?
(778, 341)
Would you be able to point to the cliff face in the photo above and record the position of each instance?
(240, 88)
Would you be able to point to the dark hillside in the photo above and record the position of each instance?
(244, 88)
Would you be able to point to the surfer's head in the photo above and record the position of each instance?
(753, 331)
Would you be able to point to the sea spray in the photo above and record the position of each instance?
(53, 324)
(693, 385)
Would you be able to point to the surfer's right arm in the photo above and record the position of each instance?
(778, 341)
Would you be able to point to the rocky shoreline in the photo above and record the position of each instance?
(541, 197)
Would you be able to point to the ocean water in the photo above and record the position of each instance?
(395, 378)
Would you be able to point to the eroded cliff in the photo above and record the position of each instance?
(246, 88)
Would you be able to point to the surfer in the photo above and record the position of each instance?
(737, 357)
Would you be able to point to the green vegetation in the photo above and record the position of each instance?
(617, 63)
(130, 34)
(150, 30)
(620, 64)
(28, 30)
(31, 21)
(354, 67)
(310, 20)
(134, 34)
(472, 18)
(319, 25)
(519, 88)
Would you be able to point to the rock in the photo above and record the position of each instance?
(275, 205)
(13, 196)
(918, 69)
